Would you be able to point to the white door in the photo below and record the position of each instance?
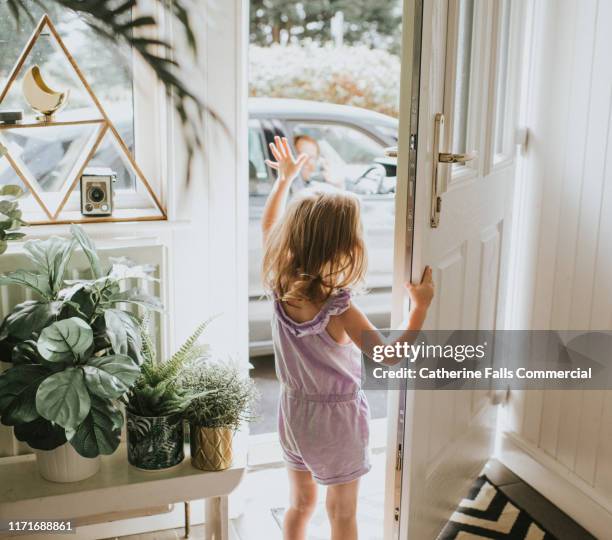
(460, 81)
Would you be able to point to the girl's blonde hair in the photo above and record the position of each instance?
(317, 249)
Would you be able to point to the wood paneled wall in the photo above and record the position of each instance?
(565, 271)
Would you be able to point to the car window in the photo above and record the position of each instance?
(259, 182)
(350, 145)
(347, 157)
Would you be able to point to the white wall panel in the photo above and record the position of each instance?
(566, 275)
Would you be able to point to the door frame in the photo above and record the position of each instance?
(397, 402)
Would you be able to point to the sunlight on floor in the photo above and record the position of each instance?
(265, 493)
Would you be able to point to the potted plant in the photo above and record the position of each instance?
(75, 351)
(10, 215)
(155, 404)
(226, 399)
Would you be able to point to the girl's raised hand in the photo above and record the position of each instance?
(287, 166)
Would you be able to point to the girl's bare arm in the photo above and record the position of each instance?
(288, 168)
(356, 323)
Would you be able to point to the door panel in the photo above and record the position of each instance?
(449, 435)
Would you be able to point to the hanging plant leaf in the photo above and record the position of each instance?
(135, 343)
(51, 257)
(138, 297)
(35, 282)
(100, 432)
(8, 207)
(79, 302)
(40, 434)
(121, 271)
(116, 330)
(109, 377)
(31, 317)
(11, 190)
(63, 399)
(65, 341)
(25, 352)
(111, 288)
(18, 386)
(14, 235)
(89, 249)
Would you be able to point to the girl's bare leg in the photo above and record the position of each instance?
(302, 499)
(341, 504)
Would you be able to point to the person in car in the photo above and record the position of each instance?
(315, 168)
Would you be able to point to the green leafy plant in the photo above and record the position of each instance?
(110, 19)
(10, 215)
(157, 391)
(75, 350)
(226, 399)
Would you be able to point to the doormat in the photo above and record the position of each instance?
(487, 513)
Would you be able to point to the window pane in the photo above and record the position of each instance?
(106, 69)
(259, 182)
(502, 78)
(462, 75)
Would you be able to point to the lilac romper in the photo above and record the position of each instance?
(323, 417)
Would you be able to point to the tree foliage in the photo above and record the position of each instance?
(356, 75)
(368, 22)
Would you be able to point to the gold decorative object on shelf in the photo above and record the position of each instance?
(97, 129)
(211, 448)
(40, 96)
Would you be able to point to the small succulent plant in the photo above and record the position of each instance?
(226, 397)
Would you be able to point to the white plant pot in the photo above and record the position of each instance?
(65, 464)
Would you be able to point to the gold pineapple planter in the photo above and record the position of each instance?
(211, 448)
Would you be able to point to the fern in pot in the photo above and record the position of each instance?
(225, 401)
(75, 350)
(156, 403)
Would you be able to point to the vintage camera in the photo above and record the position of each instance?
(97, 191)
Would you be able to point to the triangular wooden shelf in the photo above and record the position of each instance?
(105, 127)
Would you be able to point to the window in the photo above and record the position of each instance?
(259, 181)
(49, 154)
(500, 139)
(463, 76)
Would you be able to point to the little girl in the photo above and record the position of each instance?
(313, 257)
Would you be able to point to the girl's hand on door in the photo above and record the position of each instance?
(422, 293)
(287, 166)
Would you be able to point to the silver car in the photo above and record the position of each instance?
(351, 143)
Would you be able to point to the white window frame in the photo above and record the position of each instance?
(496, 160)
(460, 173)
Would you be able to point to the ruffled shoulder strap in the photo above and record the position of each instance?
(335, 305)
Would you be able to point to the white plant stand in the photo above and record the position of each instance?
(117, 487)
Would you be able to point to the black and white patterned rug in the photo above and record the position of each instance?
(487, 513)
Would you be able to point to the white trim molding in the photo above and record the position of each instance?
(559, 485)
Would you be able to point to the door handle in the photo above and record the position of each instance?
(443, 157)
(438, 187)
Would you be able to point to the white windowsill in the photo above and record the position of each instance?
(107, 230)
